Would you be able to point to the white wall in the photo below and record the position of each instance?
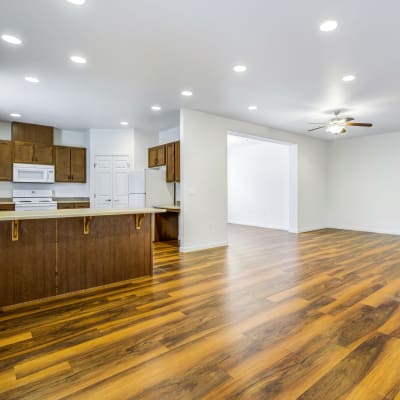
(364, 183)
(5, 134)
(169, 135)
(142, 141)
(258, 183)
(204, 177)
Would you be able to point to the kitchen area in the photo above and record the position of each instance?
(79, 210)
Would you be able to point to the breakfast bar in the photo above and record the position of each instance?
(51, 253)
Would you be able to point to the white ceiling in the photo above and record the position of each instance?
(145, 52)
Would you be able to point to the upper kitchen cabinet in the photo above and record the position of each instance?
(22, 132)
(156, 156)
(33, 153)
(173, 162)
(78, 164)
(6, 160)
(70, 163)
(62, 158)
(177, 161)
(170, 155)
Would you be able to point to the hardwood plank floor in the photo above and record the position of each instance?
(273, 316)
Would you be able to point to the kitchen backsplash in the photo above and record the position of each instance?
(59, 189)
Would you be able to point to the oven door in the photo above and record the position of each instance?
(33, 173)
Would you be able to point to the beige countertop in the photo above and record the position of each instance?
(74, 213)
(170, 208)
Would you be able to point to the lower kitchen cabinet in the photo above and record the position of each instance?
(114, 251)
(48, 257)
(69, 205)
(26, 277)
(166, 226)
(7, 207)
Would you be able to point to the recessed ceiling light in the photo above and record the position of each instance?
(348, 78)
(240, 68)
(78, 59)
(252, 108)
(328, 26)
(77, 2)
(15, 115)
(124, 123)
(187, 93)
(32, 79)
(156, 108)
(11, 39)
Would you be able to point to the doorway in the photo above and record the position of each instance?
(262, 176)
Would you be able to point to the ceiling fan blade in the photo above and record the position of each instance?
(314, 129)
(358, 124)
(317, 123)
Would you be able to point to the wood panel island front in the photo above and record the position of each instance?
(50, 253)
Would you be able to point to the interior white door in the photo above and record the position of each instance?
(111, 183)
(121, 169)
(103, 182)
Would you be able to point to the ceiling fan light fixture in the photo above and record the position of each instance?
(335, 129)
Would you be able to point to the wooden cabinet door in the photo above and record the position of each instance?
(152, 157)
(32, 133)
(65, 206)
(160, 155)
(156, 156)
(43, 154)
(78, 164)
(27, 265)
(62, 160)
(82, 204)
(177, 161)
(7, 207)
(5, 160)
(170, 156)
(23, 152)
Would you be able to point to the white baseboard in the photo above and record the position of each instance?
(200, 247)
(277, 227)
(366, 229)
(308, 229)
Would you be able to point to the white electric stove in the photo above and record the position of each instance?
(34, 200)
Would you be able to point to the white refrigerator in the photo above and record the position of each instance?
(148, 188)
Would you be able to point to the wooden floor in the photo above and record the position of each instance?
(274, 316)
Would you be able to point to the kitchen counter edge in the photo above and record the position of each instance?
(74, 213)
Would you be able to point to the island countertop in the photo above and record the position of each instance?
(74, 213)
(169, 208)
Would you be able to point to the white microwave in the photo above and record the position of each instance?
(33, 173)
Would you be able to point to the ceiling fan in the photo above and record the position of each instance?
(338, 124)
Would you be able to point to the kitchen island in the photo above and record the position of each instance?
(51, 253)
